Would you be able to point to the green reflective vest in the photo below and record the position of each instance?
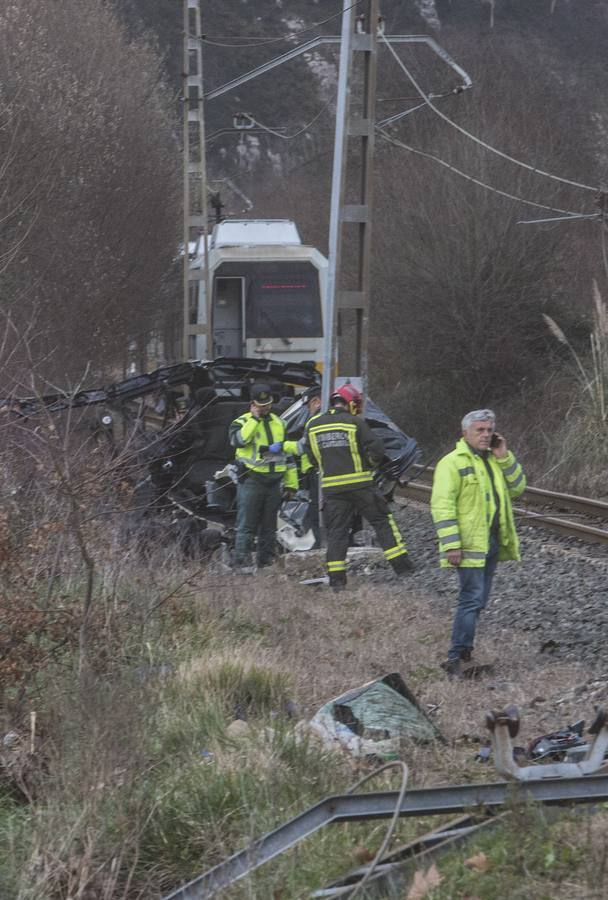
(251, 438)
(463, 504)
(296, 449)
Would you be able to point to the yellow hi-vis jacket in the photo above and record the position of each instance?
(251, 437)
(463, 505)
(296, 448)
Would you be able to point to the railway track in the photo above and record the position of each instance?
(538, 507)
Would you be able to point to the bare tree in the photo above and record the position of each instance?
(89, 186)
(460, 285)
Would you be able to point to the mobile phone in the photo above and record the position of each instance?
(494, 440)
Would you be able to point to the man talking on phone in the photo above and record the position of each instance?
(471, 507)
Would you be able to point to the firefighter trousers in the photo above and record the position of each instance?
(338, 511)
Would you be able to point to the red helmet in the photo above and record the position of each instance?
(348, 393)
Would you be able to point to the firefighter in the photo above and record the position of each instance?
(346, 450)
(265, 475)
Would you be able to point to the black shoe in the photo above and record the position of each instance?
(451, 667)
(403, 565)
(337, 582)
(466, 655)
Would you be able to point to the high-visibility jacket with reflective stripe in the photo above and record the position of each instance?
(463, 504)
(296, 449)
(251, 437)
(345, 449)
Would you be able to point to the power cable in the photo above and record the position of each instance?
(604, 249)
(393, 822)
(483, 184)
(477, 140)
(261, 42)
(401, 115)
(289, 137)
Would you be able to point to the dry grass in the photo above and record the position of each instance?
(330, 643)
(178, 792)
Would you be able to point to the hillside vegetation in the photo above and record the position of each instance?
(459, 286)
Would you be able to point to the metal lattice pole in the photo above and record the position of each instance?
(196, 304)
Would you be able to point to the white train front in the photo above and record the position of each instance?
(267, 293)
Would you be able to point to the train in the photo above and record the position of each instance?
(268, 293)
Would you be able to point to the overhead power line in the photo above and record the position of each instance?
(477, 140)
(261, 42)
(400, 115)
(288, 137)
(397, 143)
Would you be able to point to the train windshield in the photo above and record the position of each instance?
(283, 301)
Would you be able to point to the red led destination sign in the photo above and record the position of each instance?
(283, 287)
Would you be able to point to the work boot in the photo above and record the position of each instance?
(403, 565)
(243, 570)
(451, 667)
(243, 565)
(466, 654)
(337, 582)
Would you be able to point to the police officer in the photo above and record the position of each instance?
(346, 450)
(264, 471)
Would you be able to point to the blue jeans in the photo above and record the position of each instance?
(475, 585)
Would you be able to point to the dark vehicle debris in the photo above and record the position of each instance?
(180, 415)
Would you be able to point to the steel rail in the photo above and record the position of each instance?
(542, 497)
(566, 527)
(381, 805)
(586, 505)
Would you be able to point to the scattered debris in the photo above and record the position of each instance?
(484, 752)
(382, 805)
(374, 719)
(577, 758)
(566, 744)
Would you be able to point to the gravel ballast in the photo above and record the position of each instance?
(557, 596)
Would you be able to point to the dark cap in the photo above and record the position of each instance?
(261, 394)
(310, 393)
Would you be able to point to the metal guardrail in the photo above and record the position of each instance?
(381, 805)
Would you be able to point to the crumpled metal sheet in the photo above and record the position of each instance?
(374, 719)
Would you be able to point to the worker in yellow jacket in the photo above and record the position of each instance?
(471, 508)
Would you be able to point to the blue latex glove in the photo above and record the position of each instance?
(276, 447)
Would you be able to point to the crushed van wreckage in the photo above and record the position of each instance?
(177, 419)
(374, 720)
